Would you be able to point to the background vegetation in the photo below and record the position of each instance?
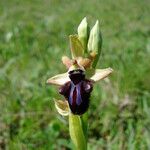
(34, 36)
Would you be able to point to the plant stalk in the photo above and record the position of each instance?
(77, 132)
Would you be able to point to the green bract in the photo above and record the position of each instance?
(76, 46)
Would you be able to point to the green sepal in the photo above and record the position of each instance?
(62, 107)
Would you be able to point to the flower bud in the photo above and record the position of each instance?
(83, 33)
(95, 42)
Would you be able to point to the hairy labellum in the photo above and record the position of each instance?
(77, 91)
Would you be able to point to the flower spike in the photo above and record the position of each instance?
(77, 83)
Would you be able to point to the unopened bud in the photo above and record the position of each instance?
(95, 42)
(83, 33)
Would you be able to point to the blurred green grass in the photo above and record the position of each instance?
(34, 36)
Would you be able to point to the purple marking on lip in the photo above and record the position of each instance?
(78, 98)
(71, 94)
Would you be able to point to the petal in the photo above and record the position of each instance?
(62, 107)
(59, 79)
(85, 62)
(99, 74)
(67, 61)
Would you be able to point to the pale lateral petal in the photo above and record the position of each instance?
(62, 107)
(100, 74)
(59, 79)
(66, 61)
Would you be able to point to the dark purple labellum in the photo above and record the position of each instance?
(77, 91)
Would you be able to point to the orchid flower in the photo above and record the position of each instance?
(94, 75)
(77, 82)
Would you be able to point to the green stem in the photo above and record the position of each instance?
(76, 132)
(84, 118)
